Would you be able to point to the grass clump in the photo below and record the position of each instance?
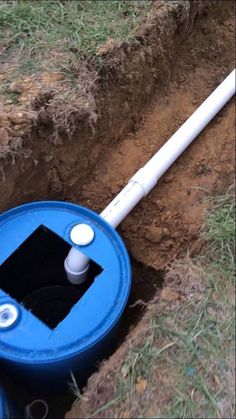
(220, 232)
(51, 53)
(36, 27)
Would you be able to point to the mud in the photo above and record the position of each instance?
(143, 93)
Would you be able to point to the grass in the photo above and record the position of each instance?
(220, 232)
(51, 53)
(186, 359)
(38, 37)
(34, 28)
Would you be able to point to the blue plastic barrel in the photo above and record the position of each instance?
(58, 327)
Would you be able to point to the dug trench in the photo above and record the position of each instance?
(189, 54)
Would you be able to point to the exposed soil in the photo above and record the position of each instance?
(55, 143)
(169, 220)
(144, 92)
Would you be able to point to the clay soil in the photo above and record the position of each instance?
(168, 222)
(149, 90)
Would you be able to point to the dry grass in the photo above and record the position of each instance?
(181, 362)
(65, 39)
(35, 28)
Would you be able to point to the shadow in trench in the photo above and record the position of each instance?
(145, 283)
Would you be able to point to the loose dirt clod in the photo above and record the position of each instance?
(169, 295)
(154, 234)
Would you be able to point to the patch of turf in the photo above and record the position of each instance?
(220, 232)
(34, 28)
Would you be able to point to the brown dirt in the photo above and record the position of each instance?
(169, 220)
(86, 155)
(55, 141)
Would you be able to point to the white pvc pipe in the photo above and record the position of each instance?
(76, 263)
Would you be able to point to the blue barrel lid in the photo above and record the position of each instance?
(95, 314)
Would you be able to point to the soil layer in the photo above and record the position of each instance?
(144, 91)
(168, 222)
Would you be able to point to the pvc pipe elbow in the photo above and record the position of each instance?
(76, 266)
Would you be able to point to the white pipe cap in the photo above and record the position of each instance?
(82, 234)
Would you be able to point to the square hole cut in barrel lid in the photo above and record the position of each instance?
(34, 275)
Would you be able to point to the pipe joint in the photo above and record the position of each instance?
(76, 266)
(146, 178)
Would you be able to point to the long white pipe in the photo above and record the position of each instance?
(76, 263)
